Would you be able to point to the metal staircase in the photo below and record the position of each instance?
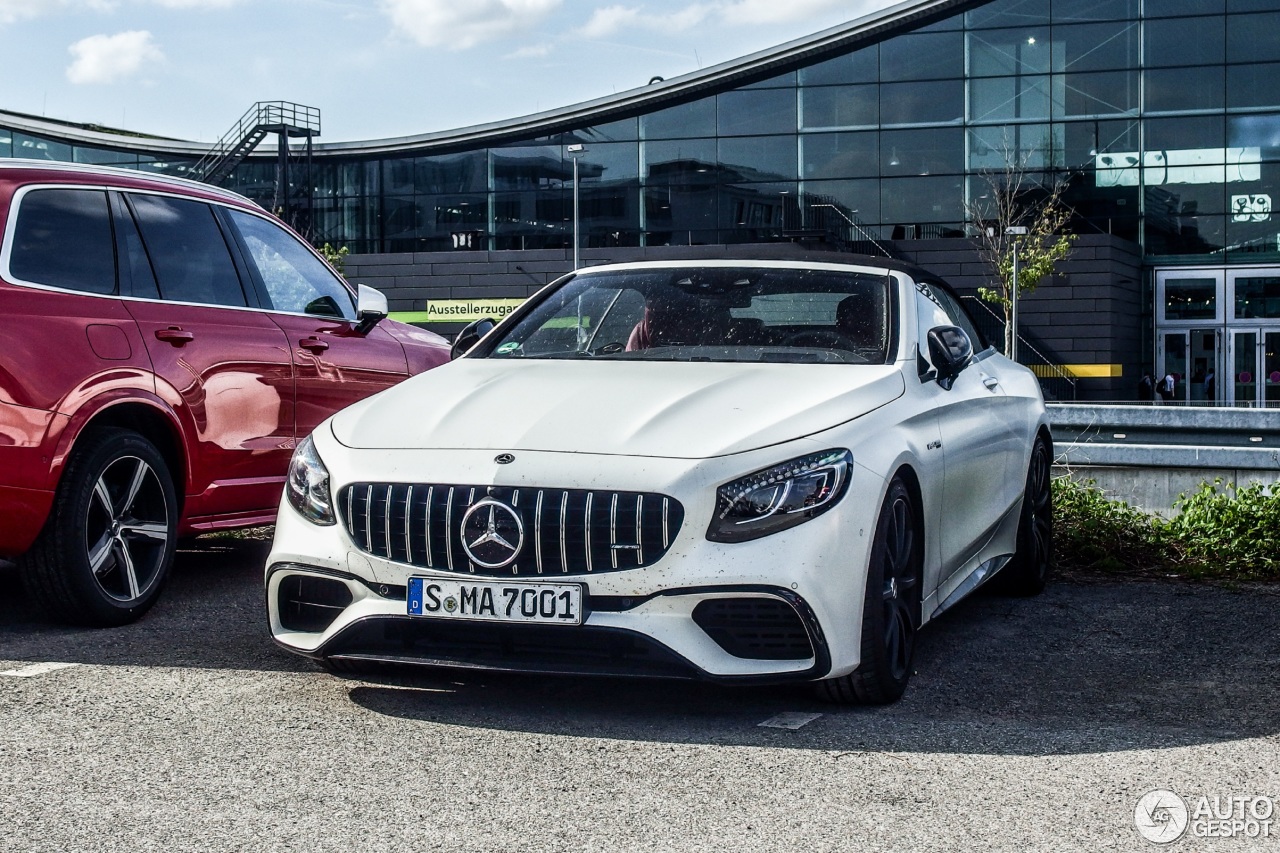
(286, 120)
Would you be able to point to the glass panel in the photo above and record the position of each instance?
(757, 112)
(434, 222)
(1190, 299)
(923, 56)
(839, 107)
(1167, 8)
(616, 131)
(450, 173)
(1258, 296)
(782, 80)
(1253, 85)
(997, 53)
(759, 158)
(294, 278)
(1201, 384)
(1100, 94)
(1066, 11)
(1170, 231)
(103, 157)
(906, 201)
(1185, 133)
(859, 200)
(934, 151)
(542, 167)
(680, 216)
(841, 155)
(1245, 368)
(609, 215)
(1009, 13)
(1254, 38)
(134, 265)
(6, 142)
(1271, 369)
(1008, 98)
(607, 163)
(696, 118)
(1174, 372)
(688, 162)
(753, 213)
(39, 148)
(1032, 146)
(934, 102)
(63, 239)
(1095, 47)
(187, 251)
(1170, 89)
(1185, 41)
(861, 66)
(1084, 141)
(1255, 131)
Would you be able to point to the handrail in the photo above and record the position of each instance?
(279, 116)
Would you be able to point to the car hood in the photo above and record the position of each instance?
(692, 410)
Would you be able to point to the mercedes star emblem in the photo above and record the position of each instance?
(492, 533)
(504, 459)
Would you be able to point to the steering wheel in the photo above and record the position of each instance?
(819, 339)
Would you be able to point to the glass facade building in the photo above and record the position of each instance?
(1161, 117)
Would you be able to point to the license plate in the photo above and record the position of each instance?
(496, 601)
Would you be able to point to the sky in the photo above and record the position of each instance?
(376, 69)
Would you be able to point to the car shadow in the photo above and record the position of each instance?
(211, 615)
(1083, 668)
(1080, 669)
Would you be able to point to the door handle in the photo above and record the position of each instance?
(313, 344)
(991, 382)
(175, 336)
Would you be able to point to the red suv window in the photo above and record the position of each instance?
(63, 239)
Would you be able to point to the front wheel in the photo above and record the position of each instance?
(106, 549)
(1028, 571)
(891, 608)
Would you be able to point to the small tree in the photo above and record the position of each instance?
(337, 258)
(1015, 199)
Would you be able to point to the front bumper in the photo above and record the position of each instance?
(642, 621)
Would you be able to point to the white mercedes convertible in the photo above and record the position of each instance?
(745, 471)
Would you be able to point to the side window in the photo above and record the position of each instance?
(187, 251)
(295, 279)
(141, 279)
(63, 239)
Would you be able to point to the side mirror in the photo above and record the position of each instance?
(371, 309)
(950, 350)
(471, 335)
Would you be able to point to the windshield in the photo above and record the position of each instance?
(749, 314)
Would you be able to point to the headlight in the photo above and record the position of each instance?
(780, 497)
(308, 485)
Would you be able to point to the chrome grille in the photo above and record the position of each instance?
(566, 531)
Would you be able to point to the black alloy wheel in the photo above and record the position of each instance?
(1028, 571)
(891, 608)
(106, 550)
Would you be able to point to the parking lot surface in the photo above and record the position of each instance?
(1031, 724)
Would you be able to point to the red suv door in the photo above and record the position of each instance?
(217, 357)
(334, 364)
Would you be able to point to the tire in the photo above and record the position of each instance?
(1028, 571)
(106, 550)
(891, 608)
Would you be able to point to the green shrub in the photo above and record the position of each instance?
(1220, 532)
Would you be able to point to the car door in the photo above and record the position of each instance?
(978, 441)
(218, 359)
(335, 365)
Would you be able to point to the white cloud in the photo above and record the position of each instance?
(610, 20)
(613, 19)
(195, 4)
(106, 59)
(460, 24)
(533, 51)
(17, 10)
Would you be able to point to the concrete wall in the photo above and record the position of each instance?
(1089, 314)
(1156, 490)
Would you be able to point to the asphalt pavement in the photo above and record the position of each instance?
(1031, 724)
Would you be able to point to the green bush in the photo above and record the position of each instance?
(1220, 532)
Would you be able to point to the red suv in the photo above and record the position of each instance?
(163, 346)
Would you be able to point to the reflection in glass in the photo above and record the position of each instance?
(931, 102)
(1169, 89)
(1190, 299)
(1106, 93)
(1245, 372)
(841, 155)
(831, 107)
(1009, 98)
(922, 56)
(1259, 297)
(1095, 47)
(686, 162)
(926, 151)
(696, 118)
(908, 201)
(999, 53)
(1185, 41)
(1008, 13)
(538, 167)
(758, 158)
(757, 111)
(1254, 38)
(861, 66)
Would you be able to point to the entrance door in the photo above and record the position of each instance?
(1255, 368)
(1192, 357)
